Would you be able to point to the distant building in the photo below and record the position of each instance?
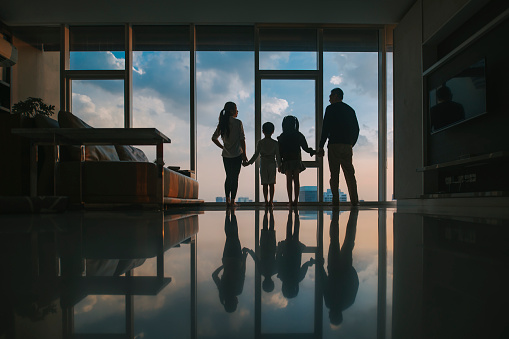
(308, 194)
(239, 199)
(327, 196)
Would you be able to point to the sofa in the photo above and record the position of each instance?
(116, 174)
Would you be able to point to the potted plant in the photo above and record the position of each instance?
(31, 107)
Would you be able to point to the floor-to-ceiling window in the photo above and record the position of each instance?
(224, 72)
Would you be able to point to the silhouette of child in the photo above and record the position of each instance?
(290, 143)
(267, 261)
(289, 258)
(268, 150)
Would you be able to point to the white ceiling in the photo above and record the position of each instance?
(49, 12)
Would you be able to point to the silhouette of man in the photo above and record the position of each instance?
(289, 258)
(446, 111)
(341, 127)
(341, 285)
(231, 283)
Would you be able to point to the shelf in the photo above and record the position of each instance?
(465, 195)
(5, 83)
(465, 161)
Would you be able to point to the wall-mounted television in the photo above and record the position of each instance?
(460, 98)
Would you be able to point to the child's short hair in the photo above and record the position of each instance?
(268, 127)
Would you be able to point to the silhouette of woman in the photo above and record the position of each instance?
(231, 131)
(289, 258)
(341, 285)
(231, 283)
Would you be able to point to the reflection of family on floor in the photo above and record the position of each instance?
(340, 127)
(340, 283)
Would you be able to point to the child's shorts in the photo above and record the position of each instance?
(268, 173)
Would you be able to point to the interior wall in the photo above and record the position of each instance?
(436, 13)
(36, 75)
(408, 131)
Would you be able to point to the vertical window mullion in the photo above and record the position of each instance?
(382, 116)
(128, 77)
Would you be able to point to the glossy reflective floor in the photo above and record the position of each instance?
(255, 273)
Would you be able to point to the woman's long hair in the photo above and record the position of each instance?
(290, 123)
(224, 118)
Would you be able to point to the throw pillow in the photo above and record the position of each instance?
(92, 153)
(130, 153)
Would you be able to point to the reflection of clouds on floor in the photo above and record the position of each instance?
(274, 299)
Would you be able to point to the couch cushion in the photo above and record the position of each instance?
(92, 153)
(130, 153)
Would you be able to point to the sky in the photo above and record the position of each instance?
(161, 100)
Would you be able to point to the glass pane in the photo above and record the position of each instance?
(96, 60)
(357, 75)
(390, 128)
(223, 77)
(291, 97)
(288, 49)
(161, 100)
(99, 103)
(288, 60)
(97, 47)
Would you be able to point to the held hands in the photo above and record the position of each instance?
(320, 152)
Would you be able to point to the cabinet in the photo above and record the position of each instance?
(469, 158)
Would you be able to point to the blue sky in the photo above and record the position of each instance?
(161, 100)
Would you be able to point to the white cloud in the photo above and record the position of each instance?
(336, 80)
(83, 103)
(116, 63)
(273, 60)
(274, 106)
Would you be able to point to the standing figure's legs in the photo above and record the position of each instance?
(296, 183)
(266, 194)
(333, 155)
(349, 173)
(232, 168)
(289, 186)
(271, 187)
